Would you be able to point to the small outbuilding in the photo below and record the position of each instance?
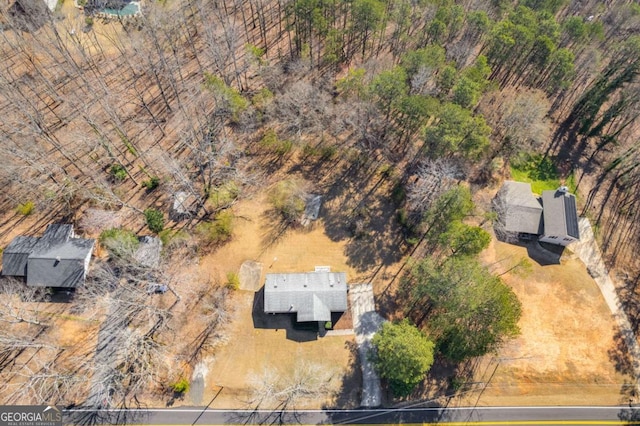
(57, 259)
(312, 296)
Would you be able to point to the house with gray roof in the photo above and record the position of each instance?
(552, 218)
(312, 296)
(521, 210)
(57, 259)
(560, 217)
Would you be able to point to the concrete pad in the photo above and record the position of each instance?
(250, 272)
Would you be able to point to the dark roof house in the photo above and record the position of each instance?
(552, 217)
(560, 217)
(521, 209)
(57, 259)
(313, 296)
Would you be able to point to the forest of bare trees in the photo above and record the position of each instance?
(209, 97)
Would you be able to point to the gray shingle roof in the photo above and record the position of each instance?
(54, 260)
(312, 295)
(14, 257)
(522, 210)
(560, 214)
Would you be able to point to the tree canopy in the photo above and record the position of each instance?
(470, 312)
(403, 356)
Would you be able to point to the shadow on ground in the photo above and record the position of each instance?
(542, 253)
(350, 393)
(96, 416)
(294, 331)
(359, 208)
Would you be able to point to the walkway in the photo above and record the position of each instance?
(366, 322)
(588, 251)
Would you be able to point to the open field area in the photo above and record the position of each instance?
(567, 353)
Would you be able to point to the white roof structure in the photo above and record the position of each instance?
(312, 295)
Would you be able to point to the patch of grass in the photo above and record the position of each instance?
(537, 170)
(26, 209)
(181, 386)
(233, 281)
(218, 231)
(120, 242)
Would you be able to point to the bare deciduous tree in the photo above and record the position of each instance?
(283, 390)
(433, 177)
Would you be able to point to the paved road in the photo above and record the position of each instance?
(459, 416)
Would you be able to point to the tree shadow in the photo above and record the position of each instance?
(359, 208)
(275, 229)
(350, 393)
(623, 362)
(298, 332)
(97, 416)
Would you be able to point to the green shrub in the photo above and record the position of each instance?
(118, 172)
(328, 152)
(270, 142)
(309, 150)
(218, 231)
(120, 242)
(155, 220)
(223, 195)
(403, 217)
(230, 99)
(26, 209)
(385, 170)
(152, 183)
(181, 386)
(169, 237)
(287, 198)
(88, 21)
(233, 281)
(261, 99)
